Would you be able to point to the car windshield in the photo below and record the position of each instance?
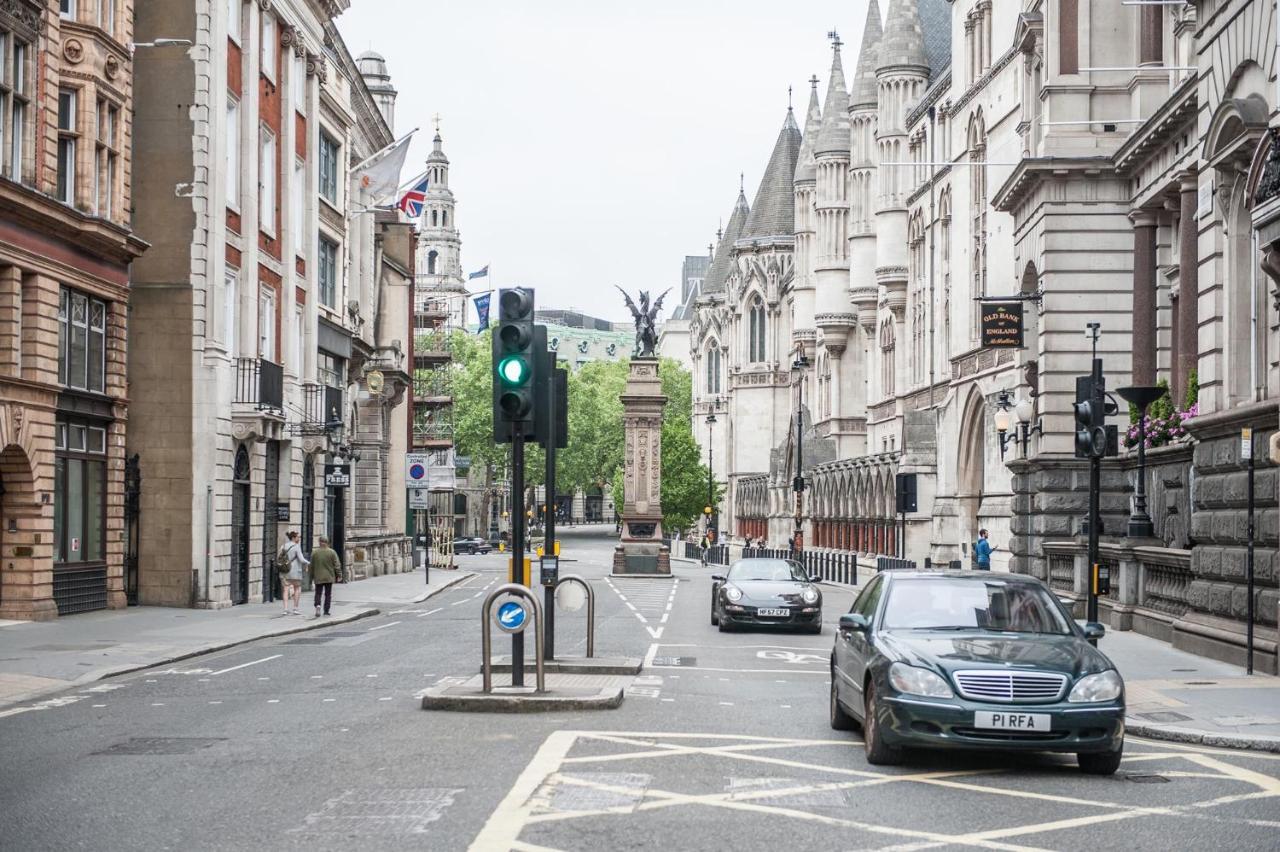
(768, 570)
(959, 603)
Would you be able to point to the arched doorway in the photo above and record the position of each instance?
(240, 528)
(971, 469)
(17, 500)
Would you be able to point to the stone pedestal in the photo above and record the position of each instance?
(641, 551)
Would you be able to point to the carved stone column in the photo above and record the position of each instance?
(1144, 297)
(1188, 348)
(641, 550)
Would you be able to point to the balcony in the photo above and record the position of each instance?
(257, 410)
(321, 410)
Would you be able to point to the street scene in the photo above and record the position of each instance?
(492, 426)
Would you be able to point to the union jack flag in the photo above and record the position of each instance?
(412, 201)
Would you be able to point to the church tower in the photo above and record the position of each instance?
(439, 243)
(373, 68)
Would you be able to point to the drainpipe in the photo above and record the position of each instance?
(208, 538)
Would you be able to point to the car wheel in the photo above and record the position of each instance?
(715, 619)
(724, 626)
(815, 629)
(840, 720)
(1100, 762)
(879, 753)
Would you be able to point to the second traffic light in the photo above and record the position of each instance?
(1094, 438)
(515, 365)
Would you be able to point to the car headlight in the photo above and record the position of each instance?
(733, 593)
(1105, 686)
(809, 595)
(916, 681)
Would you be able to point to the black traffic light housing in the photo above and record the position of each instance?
(1090, 417)
(515, 365)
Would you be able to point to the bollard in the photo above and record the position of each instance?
(591, 609)
(486, 633)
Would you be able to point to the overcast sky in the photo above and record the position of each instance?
(595, 142)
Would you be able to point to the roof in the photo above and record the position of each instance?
(773, 214)
(834, 135)
(723, 262)
(437, 151)
(903, 42)
(935, 20)
(864, 78)
(806, 165)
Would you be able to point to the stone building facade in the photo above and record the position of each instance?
(269, 324)
(66, 243)
(1124, 174)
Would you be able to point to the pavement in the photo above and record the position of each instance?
(319, 742)
(39, 658)
(1177, 696)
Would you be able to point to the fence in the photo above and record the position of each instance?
(260, 383)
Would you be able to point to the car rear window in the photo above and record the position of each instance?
(950, 603)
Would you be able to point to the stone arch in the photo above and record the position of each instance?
(971, 463)
(25, 549)
(1030, 284)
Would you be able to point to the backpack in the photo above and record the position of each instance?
(282, 561)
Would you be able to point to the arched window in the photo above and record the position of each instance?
(444, 218)
(887, 361)
(944, 215)
(435, 218)
(713, 368)
(431, 261)
(756, 328)
(978, 211)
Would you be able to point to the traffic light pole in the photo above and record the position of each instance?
(517, 543)
(549, 544)
(1095, 494)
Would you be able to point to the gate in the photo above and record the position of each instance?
(240, 529)
(132, 514)
(270, 543)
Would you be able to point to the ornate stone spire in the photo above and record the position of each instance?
(863, 95)
(773, 214)
(722, 263)
(806, 166)
(903, 44)
(834, 135)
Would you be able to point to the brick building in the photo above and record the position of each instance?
(65, 247)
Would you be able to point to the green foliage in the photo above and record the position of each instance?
(1193, 391)
(595, 446)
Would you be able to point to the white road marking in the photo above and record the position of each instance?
(431, 612)
(328, 700)
(264, 678)
(502, 830)
(459, 603)
(649, 655)
(726, 703)
(215, 702)
(151, 680)
(99, 705)
(668, 699)
(371, 675)
(316, 677)
(273, 700)
(385, 698)
(157, 704)
(665, 616)
(383, 626)
(246, 665)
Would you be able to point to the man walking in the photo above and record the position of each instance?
(297, 561)
(326, 569)
(982, 551)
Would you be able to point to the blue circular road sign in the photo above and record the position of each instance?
(417, 471)
(512, 617)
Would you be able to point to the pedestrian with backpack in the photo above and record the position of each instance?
(326, 569)
(290, 563)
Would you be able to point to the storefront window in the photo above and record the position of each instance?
(79, 507)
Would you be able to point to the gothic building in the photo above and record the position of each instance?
(990, 151)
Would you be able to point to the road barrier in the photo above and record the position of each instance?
(832, 566)
(486, 640)
(591, 609)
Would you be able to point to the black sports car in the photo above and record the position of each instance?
(471, 545)
(766, 593)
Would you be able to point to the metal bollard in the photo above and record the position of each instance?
(591, 609)
(486, 633)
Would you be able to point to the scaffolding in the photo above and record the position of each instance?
(436, 316)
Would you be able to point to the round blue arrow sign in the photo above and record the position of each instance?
(511, 616)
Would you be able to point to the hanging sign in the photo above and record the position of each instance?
(1001, 325)
(337, 475)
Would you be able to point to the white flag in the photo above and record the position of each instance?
(381, 178)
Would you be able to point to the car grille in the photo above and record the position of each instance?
(1010, 687)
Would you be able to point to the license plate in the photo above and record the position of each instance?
(770, 612)
(1012, 721)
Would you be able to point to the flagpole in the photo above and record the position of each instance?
(367, 160)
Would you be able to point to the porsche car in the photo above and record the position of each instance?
(766, 593)
(972, 659)
(471, 545)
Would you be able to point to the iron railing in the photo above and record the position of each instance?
(321, 409)
(260, 383)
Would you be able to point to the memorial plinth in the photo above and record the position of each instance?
(641, 551)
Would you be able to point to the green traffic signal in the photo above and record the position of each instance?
(513, 370)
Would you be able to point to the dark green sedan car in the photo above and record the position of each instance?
(972, 659)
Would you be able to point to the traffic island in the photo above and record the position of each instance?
(580, 665)
(564, 692)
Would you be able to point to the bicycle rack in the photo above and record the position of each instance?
(591, 609)
(486, 640)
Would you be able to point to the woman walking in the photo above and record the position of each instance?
(293, 578)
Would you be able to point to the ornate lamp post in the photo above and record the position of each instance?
(1140, 525)
(797, 484)
(711, 488)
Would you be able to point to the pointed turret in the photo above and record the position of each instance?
(903, 44)
(806, 166)
(863, 95)
(722, 263)
(834, 135)
(773, 214)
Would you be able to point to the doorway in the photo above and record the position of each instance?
(240, 528)
(270, 523)
(971, 471)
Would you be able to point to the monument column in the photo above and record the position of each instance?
(641, 550)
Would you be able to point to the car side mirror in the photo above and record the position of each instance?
(1094, 631)
(718, 577)
(815, 578)
(854, 621)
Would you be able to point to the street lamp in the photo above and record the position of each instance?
(1004, 419)
(1141, 396)
(797, 370)
(711, 489)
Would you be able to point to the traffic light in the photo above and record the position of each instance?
(1091, 409)
(515, 365)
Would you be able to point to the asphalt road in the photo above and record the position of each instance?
(317, 742)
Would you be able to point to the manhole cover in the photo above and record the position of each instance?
(1147, 779)
(675, 661)
(1165, 716)
(162, 745)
